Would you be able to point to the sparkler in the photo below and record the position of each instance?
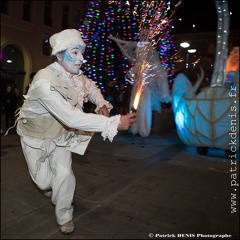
(136, 100)
(140, 82)
(153, 28)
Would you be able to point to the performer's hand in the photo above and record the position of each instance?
(103, 111)
(126, 121)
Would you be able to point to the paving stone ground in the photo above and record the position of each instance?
(164, 190)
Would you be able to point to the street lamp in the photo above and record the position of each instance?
(192, 50)
(185, 45)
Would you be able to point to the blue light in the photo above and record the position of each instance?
(179, 119)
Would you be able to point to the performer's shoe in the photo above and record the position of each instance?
(47, 193)
(67, 228)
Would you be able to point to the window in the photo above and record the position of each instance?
(27, 5)
(46, 49)
(78, 21)
(48, 13)
(65, 16)
(4, 7)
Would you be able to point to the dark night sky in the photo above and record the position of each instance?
(203, 14)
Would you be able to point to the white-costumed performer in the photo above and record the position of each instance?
(52, 124)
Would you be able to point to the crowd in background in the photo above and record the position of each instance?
(9, 104)
(118, 97)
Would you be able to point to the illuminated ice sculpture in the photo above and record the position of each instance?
(210, 118)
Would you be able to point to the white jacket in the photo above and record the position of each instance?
(52, 112)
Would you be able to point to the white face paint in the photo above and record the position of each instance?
(71, 60)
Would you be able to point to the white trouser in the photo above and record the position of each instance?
(56, 173)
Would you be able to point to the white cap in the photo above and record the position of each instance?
(65, 39)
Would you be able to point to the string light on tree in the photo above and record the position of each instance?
(104, 61)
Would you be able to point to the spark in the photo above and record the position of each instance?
(154, 27)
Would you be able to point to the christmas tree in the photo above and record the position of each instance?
(124, 19)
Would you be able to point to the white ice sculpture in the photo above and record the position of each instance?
(149, 73)
(210, 118)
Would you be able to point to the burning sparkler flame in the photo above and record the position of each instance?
(137, 98)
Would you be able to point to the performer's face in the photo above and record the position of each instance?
(71, 59)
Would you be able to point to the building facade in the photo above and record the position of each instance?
(27, 25)
(25, 29)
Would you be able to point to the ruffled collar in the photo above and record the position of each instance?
(64, 72)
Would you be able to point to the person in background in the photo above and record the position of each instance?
(123, 99)
(52, 124)
(15, 89)
(9, 105)
(111, 96)
(18, 97)
(31, 78)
